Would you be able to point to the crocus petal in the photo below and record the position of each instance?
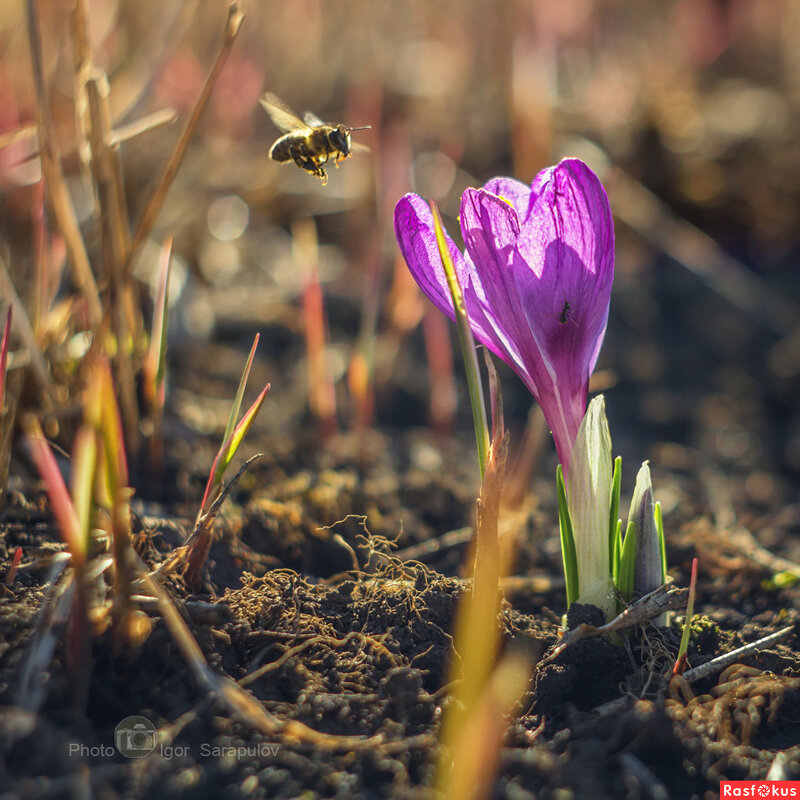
(564, 269)
(417, 240)
(568, 241)
(517, 193)
(490, 228)
(539, 182)
(413, 225)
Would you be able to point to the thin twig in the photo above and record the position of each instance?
(124, 133)
(83, 66)
(20, 134)
(431, 547)
(235, 18)
(150, 122)
(665, 598)
(720, 662)
(23, 327)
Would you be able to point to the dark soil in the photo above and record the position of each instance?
(365, 654)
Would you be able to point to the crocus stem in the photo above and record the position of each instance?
(467, 344)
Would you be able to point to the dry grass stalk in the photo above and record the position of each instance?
(116, 239)
(24, 330)
(235, 18)
(57, 193)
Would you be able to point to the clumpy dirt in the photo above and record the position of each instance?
(323, 616)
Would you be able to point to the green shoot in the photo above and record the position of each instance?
(234, 434)
(616, 484)
(680, 661)
(662, 544)
(154, 362)
(467, 343)
(237, 403)
(228, 450)
(568, 555)
(198, 549)
(617, 553)
(627, 563)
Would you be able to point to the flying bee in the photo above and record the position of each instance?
(309, 142)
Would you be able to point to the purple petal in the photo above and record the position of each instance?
(564, 270)
(568, 244)
(515, 192)
(413, 225)
(490, 228)
(416, 237)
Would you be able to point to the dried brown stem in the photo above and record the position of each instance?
(84, 64)
(23, 327)
(116, 238)
(124, 133)
(25, 132)
(235, 18)
(57, 193)
(149, 122)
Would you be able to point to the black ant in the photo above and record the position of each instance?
(564, 316)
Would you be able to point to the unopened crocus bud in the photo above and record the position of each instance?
(647, 574)
(589, 501)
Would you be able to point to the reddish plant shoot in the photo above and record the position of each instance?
(680, 662)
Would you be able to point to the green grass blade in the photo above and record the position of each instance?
(468, 352)
(237, 403)
(157, 350)
(617, 553)
(661, 541)
(568, 554)
(613, 517)
(627, 564)
(227, 452)
(239, 432)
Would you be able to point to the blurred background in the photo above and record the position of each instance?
(688, 109)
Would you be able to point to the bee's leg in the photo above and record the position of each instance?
(302, 160)
(316, 168)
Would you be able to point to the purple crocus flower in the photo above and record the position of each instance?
(536, 277)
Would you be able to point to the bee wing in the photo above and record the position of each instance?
(312, 120)
(281, 115)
